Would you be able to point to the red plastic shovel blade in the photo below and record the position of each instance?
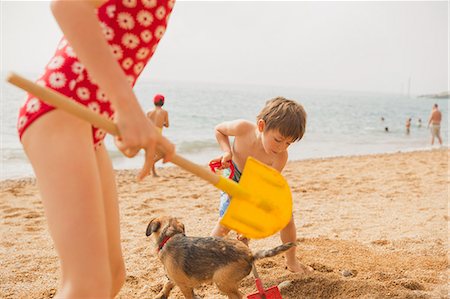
(271, 293)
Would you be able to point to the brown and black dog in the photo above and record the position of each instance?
(191, 261)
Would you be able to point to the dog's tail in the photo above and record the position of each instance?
(274, 251)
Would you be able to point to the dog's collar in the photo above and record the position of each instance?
(164, 241)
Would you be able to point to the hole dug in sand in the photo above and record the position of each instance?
(332, 286)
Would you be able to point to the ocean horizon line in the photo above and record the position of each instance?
(297, 88)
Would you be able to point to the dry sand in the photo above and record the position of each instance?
(381, 219)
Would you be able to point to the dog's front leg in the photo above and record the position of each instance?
(188, 292)
(164, 294)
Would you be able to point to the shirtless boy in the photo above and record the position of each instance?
(280, 123)
(160, 119)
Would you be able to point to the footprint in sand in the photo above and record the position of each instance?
(144, 206)
(267, 264)
(12, 215)
(380, 242)
(6, 244)
(139, 250)
(49, 293)
(12, 210)
(32, 228)
(133, 280)
(156, 288)
(32, 215)
(150, 200)
(321, 268)
(409, 284)
(4, 207)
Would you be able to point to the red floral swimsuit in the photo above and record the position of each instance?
(132, 28)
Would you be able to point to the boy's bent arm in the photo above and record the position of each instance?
(222, 139)
(230, 128)
(235, 127)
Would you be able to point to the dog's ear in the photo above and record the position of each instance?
(153, 226)
(175, 227)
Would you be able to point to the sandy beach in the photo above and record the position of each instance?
(371, 227)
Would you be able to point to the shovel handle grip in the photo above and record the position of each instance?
(64, 103)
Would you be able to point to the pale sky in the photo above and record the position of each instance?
(361, 46)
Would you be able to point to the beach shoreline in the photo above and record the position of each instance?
(372, 226)
(160, 165)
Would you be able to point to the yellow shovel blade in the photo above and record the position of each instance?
(261, 203)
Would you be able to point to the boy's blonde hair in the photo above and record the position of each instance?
(286, 116)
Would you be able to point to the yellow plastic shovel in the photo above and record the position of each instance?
(261, 203)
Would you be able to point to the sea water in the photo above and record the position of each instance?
(340, 123)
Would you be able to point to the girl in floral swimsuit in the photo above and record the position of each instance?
(105, 48)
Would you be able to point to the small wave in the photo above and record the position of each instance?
(115, 153)
(197, 146)
(13, 155)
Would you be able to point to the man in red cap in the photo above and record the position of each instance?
(159, 117)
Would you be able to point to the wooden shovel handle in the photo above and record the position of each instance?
(62, 102)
